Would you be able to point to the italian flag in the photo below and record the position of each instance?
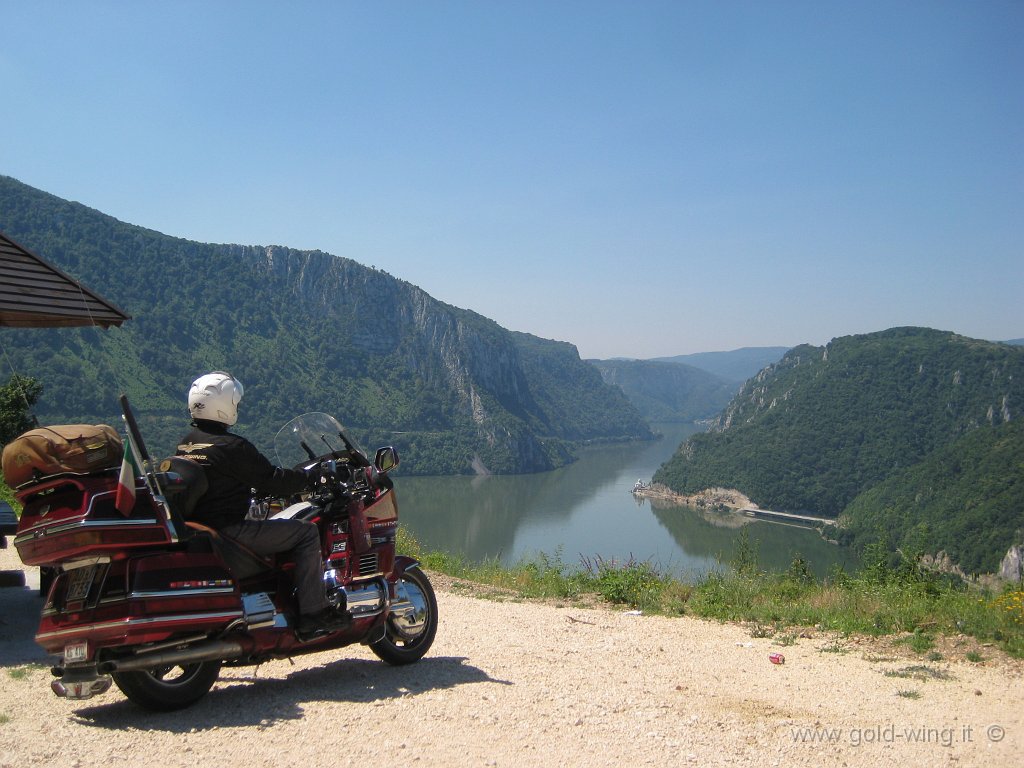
(125, 499)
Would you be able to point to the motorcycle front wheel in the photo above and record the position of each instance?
(168, 688)
(409, 632)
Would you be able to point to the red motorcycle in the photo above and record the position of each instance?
(156, 604)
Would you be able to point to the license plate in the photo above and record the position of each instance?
(79, 581)
(76, 652)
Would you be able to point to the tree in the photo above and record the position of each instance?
(17, 397)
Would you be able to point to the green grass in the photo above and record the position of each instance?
(880, 600)
(6, 494)
(835, 647)
(919, 642)
(919, 672)
(22, 672)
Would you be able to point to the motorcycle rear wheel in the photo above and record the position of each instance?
(168, 688)
(404, 644)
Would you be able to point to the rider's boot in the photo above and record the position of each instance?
(322, 622)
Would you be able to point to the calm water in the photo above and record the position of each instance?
(587, 511)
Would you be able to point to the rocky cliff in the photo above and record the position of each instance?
(304, 330)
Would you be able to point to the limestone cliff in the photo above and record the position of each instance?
(304, 330)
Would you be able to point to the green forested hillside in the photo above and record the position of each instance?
(303, 331)
(668, 391)
(827, 424)
(966, 499)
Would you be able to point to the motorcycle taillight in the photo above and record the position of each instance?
(113, 536)
(85, 539)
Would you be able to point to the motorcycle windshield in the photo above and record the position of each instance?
(312, 437)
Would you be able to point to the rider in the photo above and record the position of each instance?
(234, 467)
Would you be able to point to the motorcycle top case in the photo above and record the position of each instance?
(69, 517)
(47, 451)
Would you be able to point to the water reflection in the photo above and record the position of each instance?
(701, 533)
(586, 510)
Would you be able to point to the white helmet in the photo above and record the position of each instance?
(215, 397)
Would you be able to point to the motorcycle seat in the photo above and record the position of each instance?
(242, 561)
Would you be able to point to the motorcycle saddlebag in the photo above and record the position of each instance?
(77, 448)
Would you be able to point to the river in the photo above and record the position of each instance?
(586, 511)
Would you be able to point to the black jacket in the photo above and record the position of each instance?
(234, 468)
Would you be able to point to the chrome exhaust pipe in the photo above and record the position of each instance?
(211, 651)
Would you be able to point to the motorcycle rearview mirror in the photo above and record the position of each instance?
(386, 459)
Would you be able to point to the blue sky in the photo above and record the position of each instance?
(638, 178)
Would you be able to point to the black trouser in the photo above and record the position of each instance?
(301, 538)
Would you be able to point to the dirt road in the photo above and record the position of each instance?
(529, 684)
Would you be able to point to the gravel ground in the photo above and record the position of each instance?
(535, 684)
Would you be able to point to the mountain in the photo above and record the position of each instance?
(737, 365)
(826, 424)
(964, 499)
(668, 391)
(303, 330)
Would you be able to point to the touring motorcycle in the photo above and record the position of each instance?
(157, 604)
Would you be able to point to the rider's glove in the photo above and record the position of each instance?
(313, 476)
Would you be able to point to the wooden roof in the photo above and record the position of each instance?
(35, 294)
